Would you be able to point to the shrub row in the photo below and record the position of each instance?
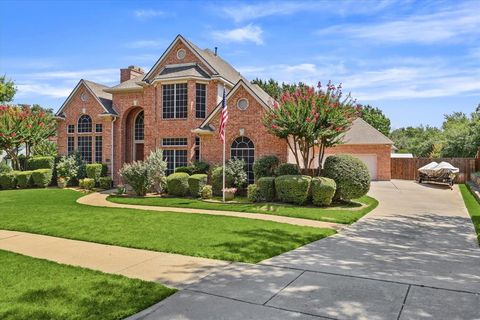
(269, 166)
(25, 179)
(196, 168)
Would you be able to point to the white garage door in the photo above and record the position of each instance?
(371, 161)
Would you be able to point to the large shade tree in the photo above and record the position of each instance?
(376, 118)
(311, 119)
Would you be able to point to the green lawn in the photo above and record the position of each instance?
(54, 212)
(37, 289)
(340, 213)
(473, 207)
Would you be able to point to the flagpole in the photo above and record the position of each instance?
(224, 139)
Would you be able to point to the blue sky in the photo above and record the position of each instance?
(416, 60)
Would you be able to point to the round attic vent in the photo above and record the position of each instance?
(181, 53)
(242, 104)
(84, 96)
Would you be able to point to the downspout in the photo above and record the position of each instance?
(111, 149)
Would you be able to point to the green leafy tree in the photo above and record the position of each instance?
(276, 90)
(376, 118)
(461, 135)
(420, 141)
(7, 90)
(311, 119)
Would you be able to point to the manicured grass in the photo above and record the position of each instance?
(32, 288)
(473, 207)
(54, 212)
(339, 213)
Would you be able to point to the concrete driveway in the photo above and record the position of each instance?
(414, 257)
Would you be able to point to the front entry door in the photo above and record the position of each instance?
(138, 152)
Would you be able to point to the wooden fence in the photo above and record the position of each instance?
(407, 168)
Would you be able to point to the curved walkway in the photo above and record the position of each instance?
(100, 200)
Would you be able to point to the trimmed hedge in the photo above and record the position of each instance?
(8, 180)
(266, 188)
(105, 182)
(206, 192)
(196, 183)
(293, 188)
(86, 183)
(265, 167)
(195, 168)
(24, 179)
(350, 174)
(35, 163)
(94, 171)
(323, 190)
(217, 180)
(253, 194)
(177, 184)
(287, 169)
(188, 169)
(42, 177)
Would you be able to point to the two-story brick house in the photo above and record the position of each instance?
(175, 106)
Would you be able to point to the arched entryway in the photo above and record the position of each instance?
(243, 148)
(134, 135)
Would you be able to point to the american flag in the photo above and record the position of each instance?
(224, 118)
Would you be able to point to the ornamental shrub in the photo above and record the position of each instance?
(4, 168)
(323, 190)
(137, 175)
(265, 167)
(24, 179)
(196, 183)
(253, 194)
(287, 169)
(350, 174)
(177, 184)
(217, 180)
(7, 180)
(35, 163)
(105, 182)
(236, 169)
(87, 183)
(266, 188)
(201, 167)
(157, 167)
(67, 167)
(94, 171)
(42, 177)
(293, 188)
(206, 192)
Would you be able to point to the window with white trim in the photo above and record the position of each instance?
(175, 102)
(98, 149)
(197, 148)
(243, 148)
(70, 145)
(71, 128)
(84, 124)
(174, 159)
(98, 128)
(174, 142)
(200, 100)
(139, 133)
(84, 148)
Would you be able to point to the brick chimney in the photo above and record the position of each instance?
(130, 73)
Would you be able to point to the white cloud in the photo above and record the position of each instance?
(447, 24)
(147, 13)
(249, 33)
(146, 44)
(42, 89)
(107, 75)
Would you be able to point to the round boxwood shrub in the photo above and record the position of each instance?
(287, 169)
(8, 180)
(253, 194)
(196, 183)
(323, 190)
(24, 179)
(206, 192)
(266, 188)
(105, 182)
(350, 174)
(94, 171)
(265, 167)
(86, 183)
(217, 180)
(177, 184)
(35, 163)
(42, 177)
(293, 188)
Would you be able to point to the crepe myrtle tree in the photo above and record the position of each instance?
(310, 119)
(20, 126)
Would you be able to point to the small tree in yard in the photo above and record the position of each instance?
(311, 118)
(157, 167)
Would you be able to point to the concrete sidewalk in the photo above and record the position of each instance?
(100, 200)
(414, 257)
(170, 269)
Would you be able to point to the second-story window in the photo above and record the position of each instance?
(175, 101)
(200, 100)
(84, 124)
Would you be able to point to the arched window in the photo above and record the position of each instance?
(84, 124)
(243, 148)
(138, 129)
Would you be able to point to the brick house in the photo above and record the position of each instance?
(175, 106)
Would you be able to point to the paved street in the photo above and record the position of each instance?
(414, 257)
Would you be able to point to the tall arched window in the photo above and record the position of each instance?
(243, 148)
(84, 124)
(138, 129)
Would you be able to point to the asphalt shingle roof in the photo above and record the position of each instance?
(182, 71)
(363, 133)
(104, 97)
